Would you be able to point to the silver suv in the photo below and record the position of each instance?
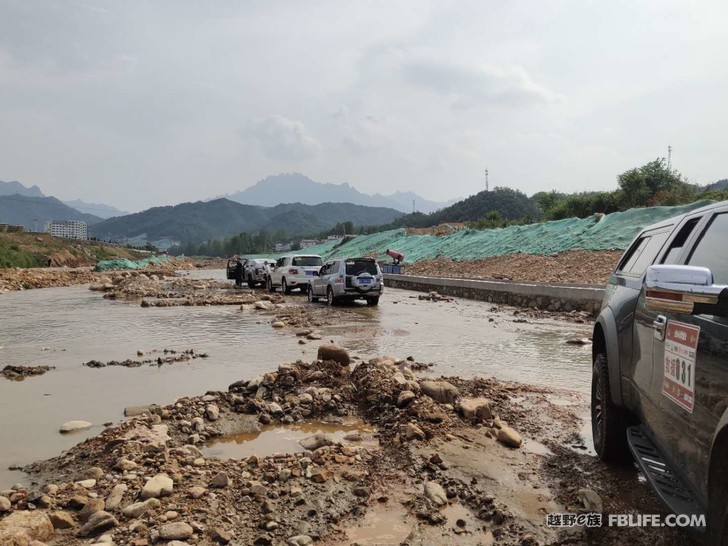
(293, 271)
(347, 279)
(256, 271)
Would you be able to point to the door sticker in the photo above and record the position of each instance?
(681, 344)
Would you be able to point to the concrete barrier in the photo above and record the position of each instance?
(549, 296)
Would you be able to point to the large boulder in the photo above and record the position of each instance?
(97, 523)
(335, 353)
(475, 409)
(509, 437)
(440, 391)
(23, 527)
(159, 486)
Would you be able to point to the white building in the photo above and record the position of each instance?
(68, 229)
(305, 243)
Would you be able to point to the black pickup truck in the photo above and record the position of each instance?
(660, 364)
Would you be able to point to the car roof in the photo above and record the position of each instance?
(677, 219)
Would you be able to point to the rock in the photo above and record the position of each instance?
(440, 391)
(158, 486)
(312, 443)
(313, 336)
(300, 540)
(305, 398)
(134, 411)
(177, 543)
(50, 489)
(274, 408)
(178, 530)
(62, 520)
(320, 475)
(278, 324)
(264, 305)
(5, 504)
(335, 353)
(435, 493)
(221, 536)
(94, 473)
(22, 527)
(113, 501)
(413, 432)
(404, 398)
(87, 484)
(591, 500)
(92, 506)
(475, 409)
(196, 492)
(140, 508)
(73, 426)
(125, 465)
(212, 412)
(509, 437)
(98, 522)
(220, 480)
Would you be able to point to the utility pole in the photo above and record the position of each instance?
(413, 206)
(669, 159)
(486, 179)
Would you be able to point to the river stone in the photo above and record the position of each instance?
(221, 536)
(113, 501)
(158, 486)
(62, 520)
(413, 432)
(312, 443)
(92, 506)
(178, 530)
(475, 409)
(98, 522)
(335, 353)
(5, 504)
(22, 527)
(94, 473)
(220, 480)
(212, 412)
(440, 391)
(140, 508)
(404, 398)
(87, 484)
(435, 493)
(509, 437)
(278, 324)
(72, 426)
(196, 492)
(591, 500)
(125, 465)
(300, 540)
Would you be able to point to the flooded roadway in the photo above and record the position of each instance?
(64, 327)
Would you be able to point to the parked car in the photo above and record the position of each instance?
(293, 271)
(660, 364)
(231, 265)
(256, 271)
(348, 279)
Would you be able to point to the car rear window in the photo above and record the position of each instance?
(307, 261)
(357, 267)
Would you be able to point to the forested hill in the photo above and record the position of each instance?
(508, 204)
(34, 212)
(201, 221)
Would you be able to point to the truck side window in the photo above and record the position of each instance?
(678, 243)
(632, 254)
(649, 253)
(710, 251)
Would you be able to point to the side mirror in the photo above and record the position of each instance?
(684, 289)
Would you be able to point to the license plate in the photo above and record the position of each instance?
(309, 273)
(365, 281)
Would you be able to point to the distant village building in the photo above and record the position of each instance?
(282, 247)
(68, 229)
(11, 228)
(305, 243)
(334, 237)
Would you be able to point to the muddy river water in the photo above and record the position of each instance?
(65, 327)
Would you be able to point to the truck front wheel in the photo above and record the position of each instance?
(609, 421)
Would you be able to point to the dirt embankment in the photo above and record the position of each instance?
(575, 266)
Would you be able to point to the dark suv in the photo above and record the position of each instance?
(660, 364)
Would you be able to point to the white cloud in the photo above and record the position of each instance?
(282, 139)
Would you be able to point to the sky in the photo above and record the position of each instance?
(139, 103)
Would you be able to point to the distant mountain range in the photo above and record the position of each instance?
(297, 188)
(219, 218)
(97, 209)
(34, 212)
(16, 188)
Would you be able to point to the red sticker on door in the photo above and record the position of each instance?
(681, 344)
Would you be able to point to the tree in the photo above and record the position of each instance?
(653, 184)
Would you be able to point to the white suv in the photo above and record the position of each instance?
(293, 271)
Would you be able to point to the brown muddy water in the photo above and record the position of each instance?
(64, 327)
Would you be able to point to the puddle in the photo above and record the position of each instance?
(537, 448)
(277, 439)
(382, 524)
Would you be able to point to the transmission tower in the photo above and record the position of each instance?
(669, 159)
(486, 179)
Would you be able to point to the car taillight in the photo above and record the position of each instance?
(293, 271)
(340, 280)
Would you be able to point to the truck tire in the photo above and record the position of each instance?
(269, 284)
(311, 297)
(330, 299)
(373, 301)
(609, 421)
(251, 283)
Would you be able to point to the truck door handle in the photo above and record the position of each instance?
(659, 325)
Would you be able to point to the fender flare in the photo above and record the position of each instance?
(609, 329)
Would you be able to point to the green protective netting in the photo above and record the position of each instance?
(123, 263)
(613, 231)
